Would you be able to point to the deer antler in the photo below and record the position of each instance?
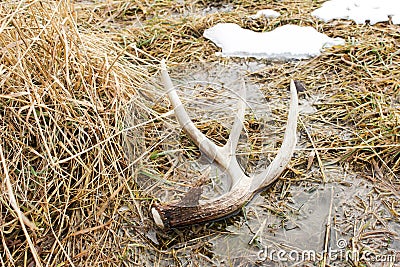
(191, 210)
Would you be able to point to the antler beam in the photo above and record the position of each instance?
(190, 210)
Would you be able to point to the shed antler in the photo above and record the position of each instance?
(191, 210)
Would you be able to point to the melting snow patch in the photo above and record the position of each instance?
(285, 42)
(267, 13)
(359, 10)
(396, 19)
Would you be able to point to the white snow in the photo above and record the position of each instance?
(285, 42)
(267, 13)
(359, 10)
(396, 19)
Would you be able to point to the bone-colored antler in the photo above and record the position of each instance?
(243, 187)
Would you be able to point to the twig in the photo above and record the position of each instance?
(22, 218)
(92, 229)
(325, 260)
(321, 166)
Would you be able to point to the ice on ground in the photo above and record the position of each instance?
(359, 10)
(267, 13)
(285, 42)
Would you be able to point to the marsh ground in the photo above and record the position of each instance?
(80, 79)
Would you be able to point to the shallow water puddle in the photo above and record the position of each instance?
(296, 233)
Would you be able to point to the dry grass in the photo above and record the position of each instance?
(70, 71)
(62, 93)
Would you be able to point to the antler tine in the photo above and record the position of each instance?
(222, 155)
(288, 145)
(204, 144)
(231, 145)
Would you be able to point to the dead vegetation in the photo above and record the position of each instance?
(70, 71)
(62, 93)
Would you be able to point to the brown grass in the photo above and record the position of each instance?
(70, 72)
(62, 92)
